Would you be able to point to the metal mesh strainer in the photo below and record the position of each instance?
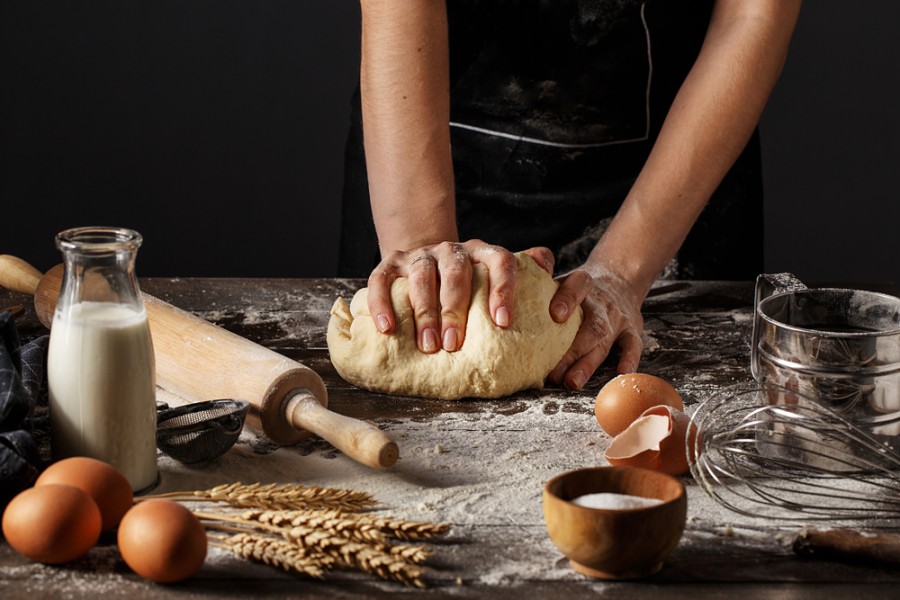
(201, 431)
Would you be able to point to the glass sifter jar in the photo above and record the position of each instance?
(100, 365)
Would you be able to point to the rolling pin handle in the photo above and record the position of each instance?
(357, 439)
(17, 275)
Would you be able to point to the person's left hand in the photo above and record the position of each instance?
(612, 317)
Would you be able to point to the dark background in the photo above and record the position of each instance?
(216, 128)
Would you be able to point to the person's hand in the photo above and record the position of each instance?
(612, 316)
(440, 288)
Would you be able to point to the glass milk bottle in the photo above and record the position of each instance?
(100, 365)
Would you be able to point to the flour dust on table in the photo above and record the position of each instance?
(437, 480)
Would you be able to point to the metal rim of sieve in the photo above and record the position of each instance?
(765, 316)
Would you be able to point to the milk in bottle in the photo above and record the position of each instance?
(100, 363)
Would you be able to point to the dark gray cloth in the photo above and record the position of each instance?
(22, 386)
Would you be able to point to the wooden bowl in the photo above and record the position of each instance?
(615, 543)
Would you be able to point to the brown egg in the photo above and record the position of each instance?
(625, 397)
(657, 440)
(101, 481)
(52, 524)
(161, 540)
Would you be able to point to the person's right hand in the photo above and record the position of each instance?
(440, 288)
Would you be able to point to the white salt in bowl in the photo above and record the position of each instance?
(615, 543)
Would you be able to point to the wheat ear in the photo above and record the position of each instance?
(397, 528)
(315, 537)
(275, 552)
(276, 496)
(335, 521)
(367, 558)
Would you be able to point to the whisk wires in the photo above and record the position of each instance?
(792, 460)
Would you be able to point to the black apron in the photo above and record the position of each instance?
(555, 105)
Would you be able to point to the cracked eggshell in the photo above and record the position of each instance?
(624, 398)
(657, 440)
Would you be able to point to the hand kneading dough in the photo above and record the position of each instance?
(492, 362)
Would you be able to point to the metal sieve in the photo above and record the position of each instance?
(201, 431)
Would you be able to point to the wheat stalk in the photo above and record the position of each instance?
(368, 558)
(412, 554)
(382, 564)
(315, 535)
(308, 536)
(362, 548)
(276, 553)
(368, 526)
(267, 521)
(308, 529)
(392, 563)
(276, 497)
(335, 521)
(403, 529)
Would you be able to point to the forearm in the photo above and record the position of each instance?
(404, 81)
(707, 127)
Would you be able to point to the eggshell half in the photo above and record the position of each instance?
(657, 440)
(624, 398)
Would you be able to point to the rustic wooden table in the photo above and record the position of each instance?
(478, 465)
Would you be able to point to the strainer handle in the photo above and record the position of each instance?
(768, 284)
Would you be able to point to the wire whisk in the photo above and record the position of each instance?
(767, 451)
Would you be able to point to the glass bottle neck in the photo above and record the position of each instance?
(99, 266)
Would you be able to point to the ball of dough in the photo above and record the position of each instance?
(492, 362)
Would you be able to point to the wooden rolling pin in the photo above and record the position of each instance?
(197, 360)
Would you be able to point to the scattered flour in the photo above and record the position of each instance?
(651, 344)
(481, 471)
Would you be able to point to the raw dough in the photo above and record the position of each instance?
(492, 362)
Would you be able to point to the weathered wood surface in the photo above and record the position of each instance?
(697, 337)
